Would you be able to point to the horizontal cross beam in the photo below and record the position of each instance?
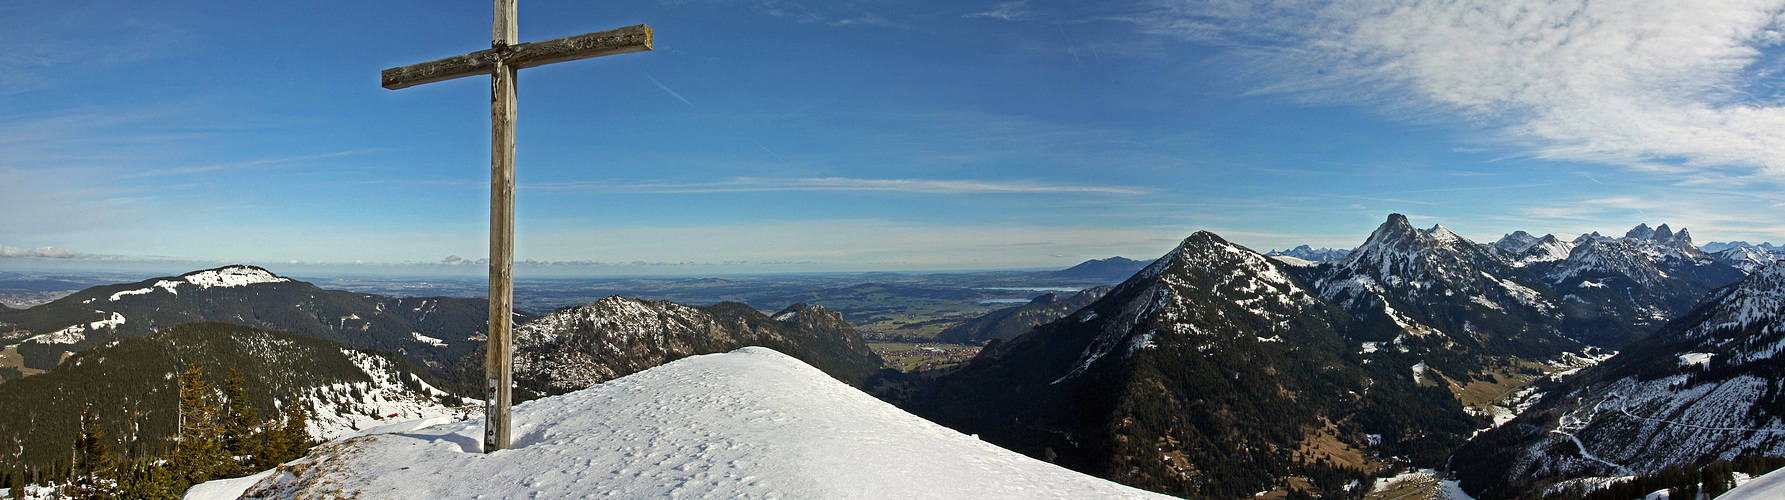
(601, 43)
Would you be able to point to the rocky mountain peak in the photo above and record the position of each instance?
(1662, 233)
(1515, 242)
(1395, 235)
(1640, 232)
(1397, 248)
(1683, 237)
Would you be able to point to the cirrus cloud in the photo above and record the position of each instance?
(1655, 85)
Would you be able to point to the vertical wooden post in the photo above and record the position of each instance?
(499, 366)
(505, 56)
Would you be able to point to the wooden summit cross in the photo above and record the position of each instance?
(505, 56)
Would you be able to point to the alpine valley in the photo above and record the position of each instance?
(1511, 369)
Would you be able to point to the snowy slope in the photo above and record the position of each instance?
(1705, 387)
(1767, 487)
(752, 423)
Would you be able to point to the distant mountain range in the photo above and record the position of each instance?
(1009, 322)
(1718, 246)
(1310, 254)
(1113, 269)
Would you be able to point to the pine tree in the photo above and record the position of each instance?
(288, 441)
(238, 426)
(198, 454)
(141, 479)
(94, 475)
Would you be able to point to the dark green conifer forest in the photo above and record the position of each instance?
(148, 417)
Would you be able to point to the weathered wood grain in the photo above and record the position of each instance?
(526, 55)
(498, 365)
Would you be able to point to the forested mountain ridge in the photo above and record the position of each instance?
(435, 332)
(132, 384)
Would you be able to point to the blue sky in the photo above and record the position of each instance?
(770, 136)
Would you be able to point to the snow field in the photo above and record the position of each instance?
(752, 423)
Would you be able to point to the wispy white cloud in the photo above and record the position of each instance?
(831, 13)
(1568, 80)
(46, 45)
(914, 186)
(249, 164)
(1007, 11)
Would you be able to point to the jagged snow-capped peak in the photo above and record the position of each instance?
(231, 276)
(1661, 234)
(1397, 249)
(752, 423)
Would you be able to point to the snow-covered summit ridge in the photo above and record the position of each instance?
(232, 276)
(752, 423)
(225, 277)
